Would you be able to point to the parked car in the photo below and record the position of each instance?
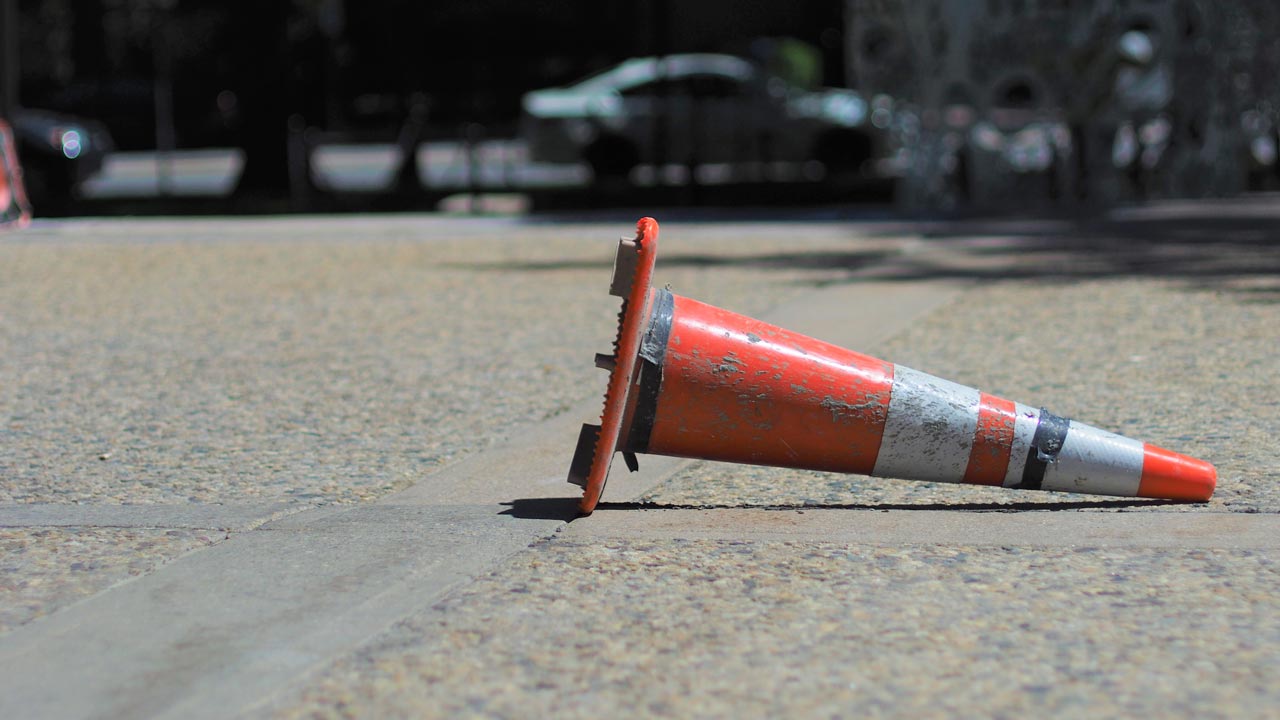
(697, 108)
(58, 152)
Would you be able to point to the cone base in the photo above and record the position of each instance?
(633, 271)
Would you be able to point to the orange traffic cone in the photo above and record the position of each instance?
(14, 210)
(692, 380)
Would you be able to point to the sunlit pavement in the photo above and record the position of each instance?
(315, 466)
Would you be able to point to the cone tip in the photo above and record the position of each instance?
(1173, 476)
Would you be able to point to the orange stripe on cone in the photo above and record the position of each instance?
(1167, 474)
(992, 441)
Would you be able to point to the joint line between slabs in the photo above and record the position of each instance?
(116, 517)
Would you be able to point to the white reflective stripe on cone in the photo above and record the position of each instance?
(1024, 429)
(1095, 461)
(929, 432)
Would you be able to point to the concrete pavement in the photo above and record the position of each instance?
(392, 606)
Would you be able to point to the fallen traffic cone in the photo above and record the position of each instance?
(14, 209)
(692, 380)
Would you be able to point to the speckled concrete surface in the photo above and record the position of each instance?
(718, 629)
(313, 360)
(1190, 368)
(206, 361)
(1169, 341)
(336, 360)
(44, 569)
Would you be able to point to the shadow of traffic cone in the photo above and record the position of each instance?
(692, 380)
(14, 209)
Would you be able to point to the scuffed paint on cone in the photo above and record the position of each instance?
(689, 379)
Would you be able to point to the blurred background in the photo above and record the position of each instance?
(171, 106)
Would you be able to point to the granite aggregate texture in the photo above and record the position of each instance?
(163, 362)
(1163, 333)
(45, 569)
(244, 373)
(305, 361)
(810, 629)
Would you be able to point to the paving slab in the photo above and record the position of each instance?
(220, 628)
(287, 589)
(730, 591)
(214, 373)
(675, 619)
(623, 627)
(46, 569)
(332, 360)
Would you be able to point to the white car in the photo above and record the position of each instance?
(693, 109)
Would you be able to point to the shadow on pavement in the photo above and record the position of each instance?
(809, 261)
(1230, 245)
(1209, 244)
(564, 509)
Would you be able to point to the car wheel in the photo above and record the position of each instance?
(843, 152)
(611, 157)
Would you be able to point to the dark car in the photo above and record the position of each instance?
(58, 152)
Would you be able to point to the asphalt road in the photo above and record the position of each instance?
(314, 467)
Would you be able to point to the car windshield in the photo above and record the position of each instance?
(599, 77)
(639, 71)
